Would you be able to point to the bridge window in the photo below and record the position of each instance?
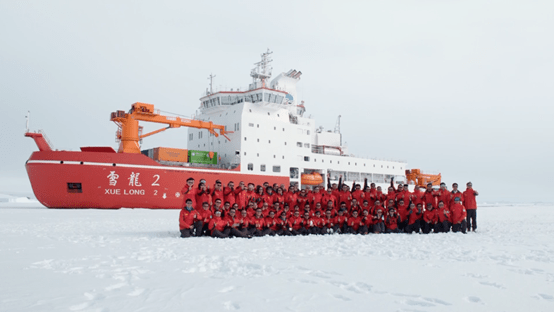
(262, 168)
(276, 168)
(250, 166)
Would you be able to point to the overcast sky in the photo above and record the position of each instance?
(464, 88)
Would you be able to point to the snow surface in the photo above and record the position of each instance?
(133, 260)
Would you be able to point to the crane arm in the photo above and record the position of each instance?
(128, 124)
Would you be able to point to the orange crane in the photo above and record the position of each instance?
(129, 132)
(421, 179)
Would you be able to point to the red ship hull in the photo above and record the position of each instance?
(62, 179)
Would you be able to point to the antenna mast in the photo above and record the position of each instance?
(262, 70)
(211, 78)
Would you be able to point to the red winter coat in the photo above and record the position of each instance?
(391, 222)
(430, 197)
(218, 224)
(229, 196)
(189, 193)
(296, 223)
(444, 195)
(205, 215)
(458, 213)
(430, 216)
(187, 218)
(469, 199)
(258, 223)
(414, 215)
(453, 195)
(403, 211)
(354, 222)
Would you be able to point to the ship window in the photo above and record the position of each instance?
(283, 129)
(262, 167)
(306, 158)
(374, 166)
(392, 167)
(315, 160)
(258, 125)
(364, 165)
(274, 156)
(245, 138)
(299, 144)
(244, 153)
(258, 140)
(191, 136)
(285, 143)
(269, 141)
(277, 115)
(268, 114)
(400, 168)
(251, 125)
(387, 167)
(338, 162)
(293, 173)
(306, 145)
(75, 187)
(258, 154)
(250, 166)
(323, 160)
(276, 168)
(199, 134)
(349, 163)
(381, 166)
(238, 126)
(283, 156)
(274, 128)
(355, 164)
(308, 132)
(330, 161)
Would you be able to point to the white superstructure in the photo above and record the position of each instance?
(273, 137)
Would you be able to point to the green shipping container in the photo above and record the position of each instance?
(202, 157)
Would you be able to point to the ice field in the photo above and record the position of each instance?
(133, 260)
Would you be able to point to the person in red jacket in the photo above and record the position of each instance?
(219, 227)
(416, 196)
(402, 208)
(189, 191)
(471, 206)
(271, 223)
(217, 191)
(367, 223)
(455, 193)
(318, 224)
(189, 220)
(443, 195)
(345, 196)
(430, 219)
(329, 197)
(443, 215)
(206, 216)
(203, 196)
(296, 223)
(430, 196)
(229, 194)
(235, 225)
(283, 225)
(259, 227)
(414, 218)
(241, 196)
(341, 221)
(459, 222)
(379, 222)
(391, 221)
(353, 223)
(244, 221)
(329, 222)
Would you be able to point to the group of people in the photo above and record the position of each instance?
(249, 210)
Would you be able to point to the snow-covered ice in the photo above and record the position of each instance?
(133, 260)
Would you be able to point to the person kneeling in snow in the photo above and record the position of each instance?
(219, 227)
(391, 221)
(459, 214)
(430, 219)
(189, 220)
(414, 218)
(379, 222)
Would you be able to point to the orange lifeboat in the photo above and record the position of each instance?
(313, 178)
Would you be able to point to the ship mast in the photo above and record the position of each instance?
(262, 71)
(211, 78)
